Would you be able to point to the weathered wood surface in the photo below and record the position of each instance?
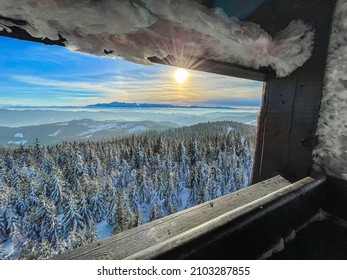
(240, 9)
(290, 109)
(226, 69)
(137, 239)
(255, 234)
(218, 225)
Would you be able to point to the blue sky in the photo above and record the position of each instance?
(33, 74)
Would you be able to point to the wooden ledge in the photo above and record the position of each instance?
(231, 221)
(131, 243)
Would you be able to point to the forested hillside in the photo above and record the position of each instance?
(56, 198)
(76, 130)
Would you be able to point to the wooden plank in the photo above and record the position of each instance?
(257, 233)
(132, 241)
(273, 128)
(217, 67)
(216, 229)
(240, 9)
(291, 110)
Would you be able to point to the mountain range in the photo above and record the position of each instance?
(151, 105)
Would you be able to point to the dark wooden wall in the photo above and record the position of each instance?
(290, 108)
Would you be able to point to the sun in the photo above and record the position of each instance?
(181, 75)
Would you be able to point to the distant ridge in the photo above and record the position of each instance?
(150, 105)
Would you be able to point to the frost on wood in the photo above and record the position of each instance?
(138, 29)
(330, 155)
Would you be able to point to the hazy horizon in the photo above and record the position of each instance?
(187, 106)
(17, 117)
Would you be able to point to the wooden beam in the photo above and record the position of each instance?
(137, 239)
(217, 67)
(191, 242)
(290, 109)
(240, 9)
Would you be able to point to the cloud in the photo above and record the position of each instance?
(34, 74)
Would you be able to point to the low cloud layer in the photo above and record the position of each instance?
(149, 88)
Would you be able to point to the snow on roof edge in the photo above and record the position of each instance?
(136, 30)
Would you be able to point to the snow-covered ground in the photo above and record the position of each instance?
(54, 134)
(19, 135)
(108, 126)
(100, 127)
(137, 128)
(103, 230)
(253, 122)
(21, 142)
(7, 249)
(184, 199)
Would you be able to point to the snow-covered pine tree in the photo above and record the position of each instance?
(100, 179)
(12, 221)
(156, 213)
(97, 207)
(72, 219)
(55, 187)
(3, 227)
(51, 228)
(85, 210)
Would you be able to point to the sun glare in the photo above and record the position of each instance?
(181, 75)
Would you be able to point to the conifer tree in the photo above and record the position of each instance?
(72, 219)
(52, 197)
